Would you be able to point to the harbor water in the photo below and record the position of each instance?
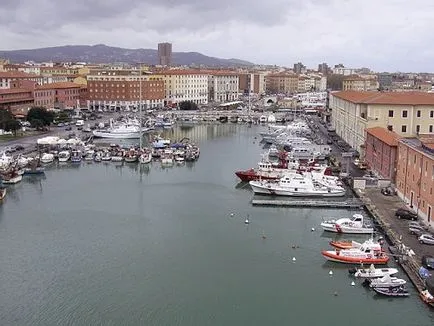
(120, 244)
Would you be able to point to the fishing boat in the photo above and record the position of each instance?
(368, 253)
(64, 156)
(76, 156)
(122, 131)
(356, 225)
(47, 158)
(372, 272)
(131, 156)
(385, 282)
(400, 291)
(3, 192)
(38, 170)
(145, 158)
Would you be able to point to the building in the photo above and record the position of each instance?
(254, 82)
(184, 85)
(299, 68)
(360, 84)
(381, 148)
(17, 100)
(281, 83)
(415, 175)
(323, 68)
(65, 95)
(7, 77)
(120, 89)
(341, 70)
(406, 113)
(165, 54)
(223, 86)
(385, 80)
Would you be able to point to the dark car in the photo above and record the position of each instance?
(405, 214)
(428, 262)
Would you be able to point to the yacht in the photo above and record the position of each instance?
(122, 131)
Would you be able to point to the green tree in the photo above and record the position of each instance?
(188, 106)
(13, 125)
(5, 117)
(334, 82)
(62, 116)
(37, 123)
(39, 113)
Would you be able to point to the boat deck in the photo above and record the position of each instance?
(350, 204)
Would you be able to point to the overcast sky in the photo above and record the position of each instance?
(385, 35)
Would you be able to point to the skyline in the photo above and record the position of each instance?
(389, 36)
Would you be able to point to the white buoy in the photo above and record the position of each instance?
(232, 214)
(246, 221)
(313, 229)
(331, 273)
(293, 259)
(352, 283)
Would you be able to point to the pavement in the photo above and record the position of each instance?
(386, 207)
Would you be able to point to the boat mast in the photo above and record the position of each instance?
(140, 107)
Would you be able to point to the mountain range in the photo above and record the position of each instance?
(101, 53)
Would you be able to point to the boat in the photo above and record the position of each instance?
(76, 156)
(106, 157)
(355, 225)
(47, 158)
(179, 159)
(297, 185)
(122, 131)
(372, 272)
(427, 297)
(145, 158)
(399, 291)
(34, 171)
(98, 157)
(64, 156)
(385, 282)
(12, 179)
(131, 157)
(345, 244)
(89, 156)
(368, 253)
(3, 192)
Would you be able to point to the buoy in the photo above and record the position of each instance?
(313, 229)
(293, 246)
(232, 214)
(335, 294)
(331, 273)
(246, 221)
(352, 283)
(293, 259)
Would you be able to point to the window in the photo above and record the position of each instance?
(404, 128)
(417, 128)
(431, 114)
(404, 114)
(430, 128)
(390, 113)
(390, 128)
(418, 113)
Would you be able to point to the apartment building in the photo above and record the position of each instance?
(223, 86)
(8, 77)
(184, 85)
(17, 100)
(281, 83)
(255, 82)
(63, 95)
(120, 89)
(360, 84)
(415, 175)
(406, 113)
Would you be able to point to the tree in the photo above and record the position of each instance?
(38, 113)
(334, 82)
(188, 106)
(13, 125)
(62, 116)
(37, 123)
(5, 117)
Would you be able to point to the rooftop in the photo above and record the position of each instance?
(60, 85)
(385, 135)
(393, 98)
(423, 144)
(16, 74)
(14, 91)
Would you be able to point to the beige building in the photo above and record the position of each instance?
(185, 85)
(223, 86)
(358, 83)
(281, 83)
(406, 113)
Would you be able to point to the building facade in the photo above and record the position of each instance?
(381, 147)
(65, 95)
(254, 82)
(281, 83)
(223, 87)
(184, 85)
(415, 175)
(406, 113)
(120, 89)
(360, 84)
(17, 100)
(7, 77)
(164, 54)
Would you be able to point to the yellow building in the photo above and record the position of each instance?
(358, 83)
(81, 80)
(281, 83)
(406, 113)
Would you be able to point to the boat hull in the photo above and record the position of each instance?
(250, 175)
(258, 188)
(344, 229)
(335, 257)
(127, 135)
(344, 244)
(13, 180)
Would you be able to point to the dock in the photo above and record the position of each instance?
(349, 204)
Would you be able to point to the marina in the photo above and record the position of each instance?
(186, 238)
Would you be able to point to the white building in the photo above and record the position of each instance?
(185, 85)
(344, 71)
(321, 83)
(223, 87)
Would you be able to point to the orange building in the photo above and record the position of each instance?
(415, 175)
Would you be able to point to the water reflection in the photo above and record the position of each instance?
(12, 193)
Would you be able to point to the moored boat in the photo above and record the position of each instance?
(372, 272)
(356, 225)
(399, 291)
(368, 253)
(385, 282)
(351, 244)
(34, 171)
(427, 297)
(3, 192)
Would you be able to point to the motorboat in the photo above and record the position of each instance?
(64, 156)
(355, 225)
(89, 155)
(427, 297)
(122, 131)
(345, 244)
(369, 253)
(179, 159)
(399, 291)
(386, 281)
(372, 272)
(76, 156)
(131, 156)
(47, 158)
(106, 157)
(145, 158)
(12, 179)
(98, 157)
(38, 170)
(297, 185)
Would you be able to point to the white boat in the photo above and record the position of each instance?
(386, 281)
(76, 156)
(64, 156)
(179, 159)
(106, 157)
(47, 158)
(13, 180)
(355, 225)
(98, 157)
(369, 253)
(167, 160)
(145, 158)
(117, 158)
(122, 131)
(89, 155)
(297, 185)
(373, 272)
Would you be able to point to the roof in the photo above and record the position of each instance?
(16, 74)
(60, 85)
(394, 98)
(386, 136)
(14, 91)
(423, 144)
(180, 72)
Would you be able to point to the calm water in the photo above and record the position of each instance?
(101, 244)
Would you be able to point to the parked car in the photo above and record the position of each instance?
(417, 230)
(428, 262)
(427, 239)
(405, 214)
(417, 224)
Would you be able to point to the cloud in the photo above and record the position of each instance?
(387, 35)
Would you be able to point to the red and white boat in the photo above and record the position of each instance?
(368, 253)
(349, 244)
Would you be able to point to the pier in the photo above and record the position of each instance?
(349, 204)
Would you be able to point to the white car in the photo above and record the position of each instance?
(427, 239)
